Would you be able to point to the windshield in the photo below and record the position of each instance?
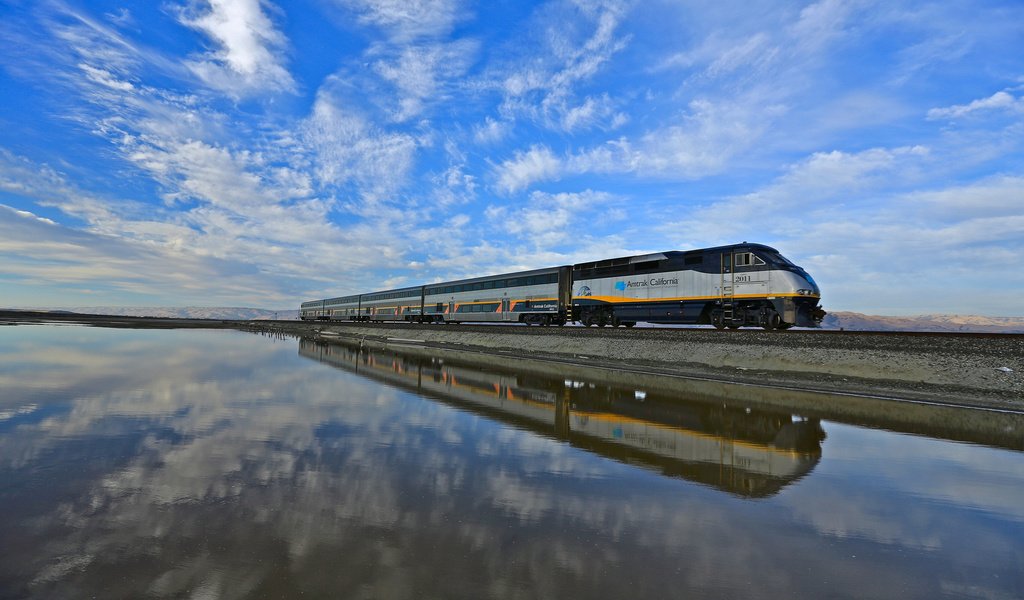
(778, 258)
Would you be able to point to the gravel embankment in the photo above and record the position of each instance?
(976, 370)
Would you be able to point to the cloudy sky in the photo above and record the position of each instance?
(264, 152)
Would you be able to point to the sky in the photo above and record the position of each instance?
(262, 152)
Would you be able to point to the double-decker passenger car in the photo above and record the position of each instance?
(726, 286)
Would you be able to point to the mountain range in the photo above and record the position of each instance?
(852, 321)
(223, 313)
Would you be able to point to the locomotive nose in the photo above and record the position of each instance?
(812, 285)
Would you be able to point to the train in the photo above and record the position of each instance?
(733, 286)
(751, 453)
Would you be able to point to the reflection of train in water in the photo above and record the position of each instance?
(750, 453)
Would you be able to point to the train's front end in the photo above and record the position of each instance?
(792, 291)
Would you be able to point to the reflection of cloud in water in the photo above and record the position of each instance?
(901, 489)
(247, 471)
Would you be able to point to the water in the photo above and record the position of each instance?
(219, 464)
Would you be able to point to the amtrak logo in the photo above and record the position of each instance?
(652, 282)
(584, 291)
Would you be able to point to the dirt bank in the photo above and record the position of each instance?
(975, 370)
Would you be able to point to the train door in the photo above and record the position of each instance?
(506, 309)
(564, 290)
(726, 290)
(451, 310)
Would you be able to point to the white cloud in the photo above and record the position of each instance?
(249, 51)
(996, 102)
(821, 22)
(594, 112)
(491, 131)
(536, 164)
(454, 186)
(999, 196)
(421, 73)
(548, 220)
(545, 88)
(346, 148)
(703, 143)
(106, 78)
(53, 261)
(408, 19)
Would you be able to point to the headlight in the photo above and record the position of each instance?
(804, 292)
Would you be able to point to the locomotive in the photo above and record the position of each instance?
(726, 286)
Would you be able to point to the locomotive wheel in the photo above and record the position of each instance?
(629, 324)
(772, 321)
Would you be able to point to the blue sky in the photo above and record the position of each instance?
(261, 153)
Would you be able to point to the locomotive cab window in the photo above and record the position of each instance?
(746, 259)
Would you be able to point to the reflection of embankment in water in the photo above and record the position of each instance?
(752, 453)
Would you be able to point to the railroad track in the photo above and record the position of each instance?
(640, 330)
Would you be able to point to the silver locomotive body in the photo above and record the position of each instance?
(728, 286)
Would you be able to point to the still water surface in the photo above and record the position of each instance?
(219, 464)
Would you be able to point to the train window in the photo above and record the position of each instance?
(745, 259)
(694, 260)
(648, 265)
(488, 285)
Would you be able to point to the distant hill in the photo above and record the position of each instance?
(186, 312)
(852, 321)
